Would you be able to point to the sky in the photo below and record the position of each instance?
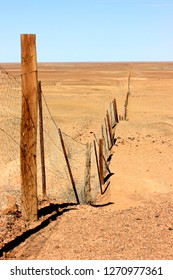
(88, 30)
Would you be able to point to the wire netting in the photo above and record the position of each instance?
(58, 181)
(10, 119)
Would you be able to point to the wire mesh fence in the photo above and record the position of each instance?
(72, 170)
(58, 181)
(10, 119)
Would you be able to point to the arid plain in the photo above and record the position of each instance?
(78, 96)
(141, 188)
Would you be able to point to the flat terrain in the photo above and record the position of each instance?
(137, 222)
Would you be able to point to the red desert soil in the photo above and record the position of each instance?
(135, 219)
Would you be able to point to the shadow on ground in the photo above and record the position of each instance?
(55, 209)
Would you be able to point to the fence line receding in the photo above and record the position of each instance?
(38, 159)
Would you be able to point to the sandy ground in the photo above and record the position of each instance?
(137, 222)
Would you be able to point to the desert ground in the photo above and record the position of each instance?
(134, 217)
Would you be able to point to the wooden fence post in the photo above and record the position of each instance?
(127, 98)
(109, 129)
(104, 159)
(104, 149)
(115, 110)
(28, 139)
(111, 116)
(106, 131)
(41, 139)
(68, 166)
(97, 164)
(103, 137)
(101, 161)
(87, 185)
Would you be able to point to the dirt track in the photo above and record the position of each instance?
(137, 222)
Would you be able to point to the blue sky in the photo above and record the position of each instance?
(89, 30)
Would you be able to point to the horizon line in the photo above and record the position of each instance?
(109, 61)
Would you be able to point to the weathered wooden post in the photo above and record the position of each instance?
(106, 131)
(101, 169)
(105, 150)
(28, 139)
(97, 165)
(115, 110)
(111, 115)
(109, 129)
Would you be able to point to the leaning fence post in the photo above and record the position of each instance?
(28, 140)
(87, 185)
(41, 139)
(111, 116)
(104, 148)
(97, 164)
(104, 159)
(101, 161)
(103, 137)
(68, 166)
(115, 110)
(109, 129)
(106, 131)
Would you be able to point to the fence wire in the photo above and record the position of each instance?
(55, 167)
(58, 181)
(10, 120)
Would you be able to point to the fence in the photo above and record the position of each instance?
(74, 169)
(38, 160)
(10, 118)
(127, 98)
